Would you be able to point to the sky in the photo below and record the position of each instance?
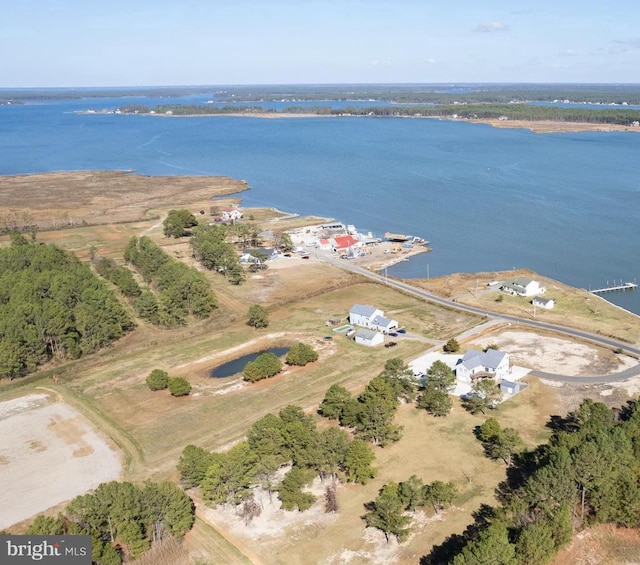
(64, 43)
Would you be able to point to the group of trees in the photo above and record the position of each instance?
(388, 512)
(177, 223)
(213, 251)
(587, 473)
(182, 290)
(263, 367)
(371, 413)
(268, 364)
(160, 380)
(123, 519)
(290, 439)
(51, 305)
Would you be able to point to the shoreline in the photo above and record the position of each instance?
(536, 126)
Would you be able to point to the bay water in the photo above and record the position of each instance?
(566, 205)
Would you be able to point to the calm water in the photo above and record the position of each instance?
(565, 205)
(237, 365)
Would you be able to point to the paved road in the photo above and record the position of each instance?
(425, 295)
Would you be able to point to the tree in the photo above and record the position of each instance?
(285, 243)
(386, 513)
(357, 462)
(193, 465)
(333, 446)
(535, 545)
(452, 346)
(499, 443)
(492, 547)
(300, 354)
(400, 376)
(334, 402)
(412, 493)
(46, 526)
(264, 366)
(230, 477)
(439, 494)
(440, 376)
(290, 492)
(177, 221)
(378, 404)
(435, 402)
(258, 317)
(179, 386)
(157, 380)
(485, 395)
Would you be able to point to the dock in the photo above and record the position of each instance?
(620, 286)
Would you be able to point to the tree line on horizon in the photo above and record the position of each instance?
(525, 112)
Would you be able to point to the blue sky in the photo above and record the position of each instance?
(193, 42)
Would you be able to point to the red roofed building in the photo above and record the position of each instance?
(345, 242)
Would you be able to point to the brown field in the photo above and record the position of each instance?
(151, 429)
(547, 126)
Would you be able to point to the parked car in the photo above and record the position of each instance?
(390, 344)
(393, 334)
(402, 331)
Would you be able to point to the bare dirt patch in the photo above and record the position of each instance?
(555, 354)
(548, 126)
(50, 454)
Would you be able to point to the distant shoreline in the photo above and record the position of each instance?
(536, 126)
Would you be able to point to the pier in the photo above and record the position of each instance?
(619, 286)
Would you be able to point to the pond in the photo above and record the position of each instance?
(237, 365)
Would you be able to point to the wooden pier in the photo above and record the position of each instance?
(619, 286)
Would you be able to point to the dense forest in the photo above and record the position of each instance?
(52, 306)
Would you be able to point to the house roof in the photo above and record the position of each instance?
(345, 241)
(364, 333)
(363, 310)
(490, 358)
(382, 321)
(523, 281)
(545, 301)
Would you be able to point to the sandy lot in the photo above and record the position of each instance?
(556, 355)
(49, 454)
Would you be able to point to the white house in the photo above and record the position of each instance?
(231, 214)
(368, 337)
(370, 317)
(478, 364)
(523, 286)
(546, 303)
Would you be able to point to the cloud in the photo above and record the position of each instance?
(491, 27)
(568, 53)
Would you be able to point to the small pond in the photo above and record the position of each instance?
(237, 365)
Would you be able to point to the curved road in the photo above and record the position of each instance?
(425, 295)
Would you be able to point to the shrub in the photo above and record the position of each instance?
(157, 380)
(301, 354)
(452, 346)
(179, 386)
(265, 366)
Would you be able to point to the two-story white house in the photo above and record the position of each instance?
(483, 364)
(523, 286)
(370, 317)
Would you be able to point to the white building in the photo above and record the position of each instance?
(482, 364)
(370, 317)
(523, 286)
(369, 337)
(546, 303)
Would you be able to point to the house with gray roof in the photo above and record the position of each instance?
(491, 363)
(372, 318)
(523, 286)
(368, 337)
